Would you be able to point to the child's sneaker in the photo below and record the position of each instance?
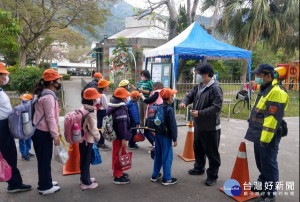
(25, 157)
(50, 191)
(125, 175)
(91, 186)
(169, 182)
(121, 180)
(92, 180)
(154, 179)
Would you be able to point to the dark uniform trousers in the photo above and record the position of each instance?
(206, 144)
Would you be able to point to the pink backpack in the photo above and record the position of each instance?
(78, 116)
(5, 170)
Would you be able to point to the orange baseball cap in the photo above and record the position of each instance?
(102, 83)
(135, 93)
(26, 96)
(167, 92)
(98, 75)
(50, 75)
(3, 69)
(121, 93)
(91, 94)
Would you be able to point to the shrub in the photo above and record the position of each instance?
(111, 86)
(65, 76)
(23, 80)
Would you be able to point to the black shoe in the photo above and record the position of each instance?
(169, 182)
(20, 188)
(253, 188)
(154, 179)
(25, 157)
(121, 180)
(265, 198)
(30, 155)
(125, 175)
(210, 182)
(134, 147)
(195, 171)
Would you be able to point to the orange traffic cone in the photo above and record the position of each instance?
(240, 173)
(188, 152)
(73, 164)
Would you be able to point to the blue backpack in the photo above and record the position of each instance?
(20, 120)
(155, 119)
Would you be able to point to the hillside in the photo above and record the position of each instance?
(116, 22)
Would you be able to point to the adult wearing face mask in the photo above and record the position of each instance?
(145, 86)
(207, 98)
(265, 120)
(47, 131)
(7, 142)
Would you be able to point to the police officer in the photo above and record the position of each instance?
(265, 118)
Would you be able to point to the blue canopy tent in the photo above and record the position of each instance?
(195, 43)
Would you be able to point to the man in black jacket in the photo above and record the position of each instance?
(207, 98)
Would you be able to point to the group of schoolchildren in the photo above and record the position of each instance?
(126, 114)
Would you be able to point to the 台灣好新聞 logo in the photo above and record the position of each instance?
(232, 187)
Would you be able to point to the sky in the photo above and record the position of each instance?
(143, 4)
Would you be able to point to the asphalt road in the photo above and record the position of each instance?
(188, 188)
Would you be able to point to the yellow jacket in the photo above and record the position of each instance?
(267, 113)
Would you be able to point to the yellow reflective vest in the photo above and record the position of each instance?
(267, 113)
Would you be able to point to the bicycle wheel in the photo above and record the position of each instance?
(239, 106)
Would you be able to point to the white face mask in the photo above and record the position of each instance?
(4, 82)
(143, 78)
(199, 78)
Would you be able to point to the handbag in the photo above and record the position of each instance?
(5, 170)
(125, 160)
(96, 157)
(139, 137)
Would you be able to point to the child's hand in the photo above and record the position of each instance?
(124, 143)
(175, 144)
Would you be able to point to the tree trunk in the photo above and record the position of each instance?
(213, 18)
(193, 12)
(173, 19)
(188, 12)
(181, 65)
(245, 67)
(22, 58)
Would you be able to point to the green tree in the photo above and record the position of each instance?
(38, 17)
(9, 30)
(249, 21)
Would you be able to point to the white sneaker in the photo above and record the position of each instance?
(54, 183)
(50, 191)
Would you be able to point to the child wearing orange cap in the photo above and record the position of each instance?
(163, 141)
(90, 97)
(25, 145)
(47, 115)
(101, 111)
(7, 142)
(133, 110)
(121, 125)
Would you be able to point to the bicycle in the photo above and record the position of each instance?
(243, 98)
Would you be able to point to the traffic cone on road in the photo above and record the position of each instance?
(188, 152)
(73, 164)
(240, 173)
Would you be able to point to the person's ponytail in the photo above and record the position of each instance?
(39, 87)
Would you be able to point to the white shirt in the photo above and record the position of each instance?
(103, 102)
(5, 106)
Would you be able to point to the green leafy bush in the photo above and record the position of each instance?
(23, 80)
(65, 76)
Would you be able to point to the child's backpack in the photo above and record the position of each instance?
(155, 119)
(20, 120)
(72, 119)
(107, 129)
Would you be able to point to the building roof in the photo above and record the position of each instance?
(142, 32)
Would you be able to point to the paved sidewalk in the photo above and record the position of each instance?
(188, 188)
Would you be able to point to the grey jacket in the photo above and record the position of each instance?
(208, 103)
